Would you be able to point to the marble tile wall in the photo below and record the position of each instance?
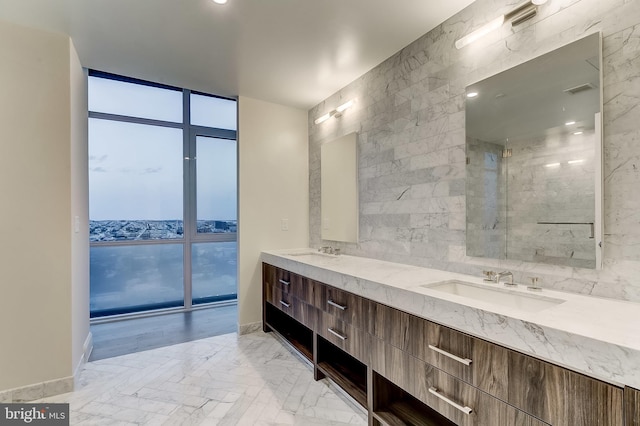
(410, 119)
(542, 186)
(486, 200)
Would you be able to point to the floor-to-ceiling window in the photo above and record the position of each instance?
(162, 196)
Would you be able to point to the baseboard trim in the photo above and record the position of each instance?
(51, 387)
(38, 390)
(87, 347)
(249, 328)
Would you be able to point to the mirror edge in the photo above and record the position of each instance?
(599, 173)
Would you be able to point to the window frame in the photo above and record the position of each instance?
(190, 133)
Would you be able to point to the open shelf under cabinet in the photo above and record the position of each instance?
(348, 373)
(394, 407)
(299, 336)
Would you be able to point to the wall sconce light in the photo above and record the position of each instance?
(518, 15)
(335, 112)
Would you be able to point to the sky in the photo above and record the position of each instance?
(136, 170)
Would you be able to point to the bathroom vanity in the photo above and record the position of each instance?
(410, 353)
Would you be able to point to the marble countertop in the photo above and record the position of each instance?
(594, 336)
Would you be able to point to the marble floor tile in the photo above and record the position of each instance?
(223, 380)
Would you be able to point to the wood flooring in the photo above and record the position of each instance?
(141, 334)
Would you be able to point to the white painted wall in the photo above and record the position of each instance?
(36, 274)
(79, 211)
(273, 185)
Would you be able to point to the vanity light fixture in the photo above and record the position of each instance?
(323, 118)
(480, 32)
(335, 112)
(518, 15)
(344, 106)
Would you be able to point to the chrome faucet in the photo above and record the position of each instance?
(505, 274)
(329, 250)
(490, 276)
(534, 284)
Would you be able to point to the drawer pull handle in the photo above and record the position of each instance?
(464, 409)
(335, 333)
(284, 282)
(285, 304)
(465, 361)
(336, 305)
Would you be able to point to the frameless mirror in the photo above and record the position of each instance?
(534, 160)
(339, 189)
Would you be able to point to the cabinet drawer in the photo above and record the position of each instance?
(631, 407)
(284, 280)
(292, 306)
(302, 288)
(343, 305)
(304, 313)
(393, 326)
(560, 396)
(278, 278)
(456, 400)
(280, 300)
(483, 364)
(343, 335)
(288, 282)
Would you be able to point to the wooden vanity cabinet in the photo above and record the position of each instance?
(631, 407)
(344, 306)
(456, 400)
(560, 396)
(392, 405)
(475, 361)
(345, 336)
(408, 370)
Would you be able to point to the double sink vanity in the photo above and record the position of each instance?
(419, 346)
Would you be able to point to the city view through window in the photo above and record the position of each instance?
(162, 197)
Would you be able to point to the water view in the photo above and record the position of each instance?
(133, 278)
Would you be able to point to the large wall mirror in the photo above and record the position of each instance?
(339, 189)
(534, 160)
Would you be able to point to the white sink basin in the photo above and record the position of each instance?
(496, 296)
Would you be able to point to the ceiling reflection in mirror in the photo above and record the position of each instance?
(534, 159)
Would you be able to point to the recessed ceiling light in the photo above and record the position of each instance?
(552, 165)
(472, 94)
(220, 1)
(577, 133)
(574, 161)
(569, 123)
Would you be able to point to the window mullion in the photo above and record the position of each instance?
(189, 225)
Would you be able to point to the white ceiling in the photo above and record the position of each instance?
(292, 52)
